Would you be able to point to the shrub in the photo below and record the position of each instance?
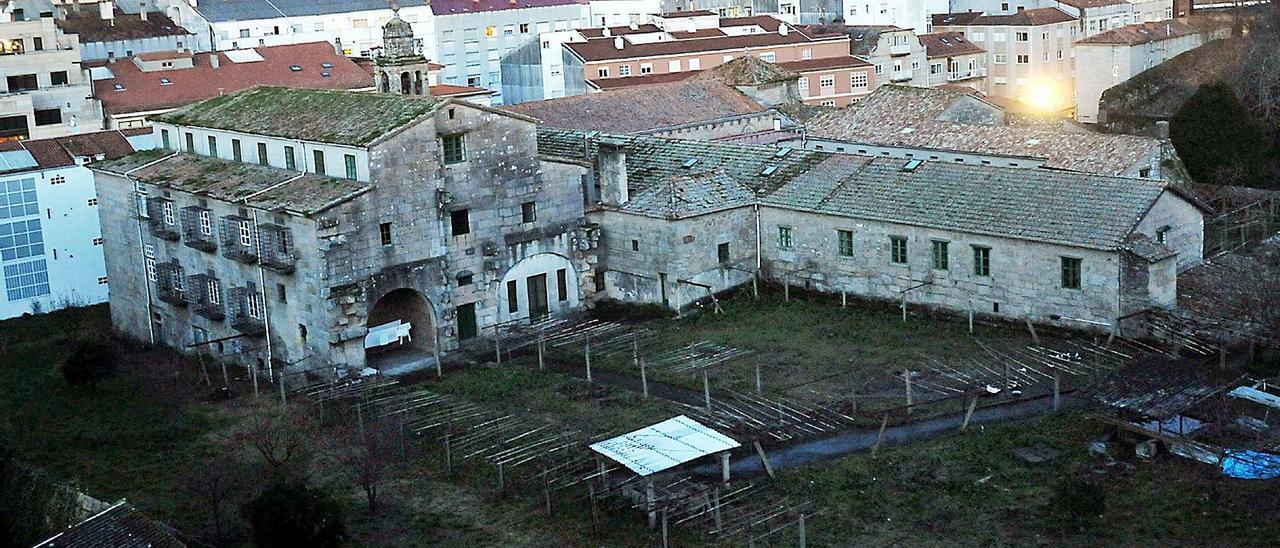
(89, 363)
(292, 514)
(1219, 140)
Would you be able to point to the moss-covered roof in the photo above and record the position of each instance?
(327, 116)
(271, 189)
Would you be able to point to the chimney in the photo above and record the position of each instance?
(611, 173)
(107, 12)
(111, 57)
(1162, 129)
(782, 29)
(607, 33)
(1022, 9)
(634, 26)
(214, 61)
(617, 42)
(337, 45)
(142, 10)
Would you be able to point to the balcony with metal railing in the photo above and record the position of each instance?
(204, 291)
(276, 248)
(238, 239)
(197, 229)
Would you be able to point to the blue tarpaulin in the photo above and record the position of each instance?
(1250, 464)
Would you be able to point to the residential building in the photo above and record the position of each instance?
(354, 26)
(897, 55)
(679, 43)
(953, 59)
(959, 127)
(134, 89)
(912, 15)
(472, 36)
(796, 12)
(1029, 54)
(109, 33)
(1094, 16)
(701, 107)
(832, 81)
(1151, 11)
(1111, 58)
(609, 13)
(322, 229)
(46, 92)
(1070, 249)
(51, 248)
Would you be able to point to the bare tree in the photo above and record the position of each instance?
(216, 483)
(362, 452)
(281, 437)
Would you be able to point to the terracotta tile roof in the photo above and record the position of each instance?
(602, 49)
(164, 55)
(910, 117)
(453, 7)
(749, 70)
(248, 10)
(91, 28)
(120, 526)
(629, 81)
(828, 63)
(694, 13)
(598, 32)
(450, 90)
(863, 39)
(62, 151)
(309, 115)
(143, 91)
(1142, 33)
(637, 109)
(946, 44)
(1086, 4)
(1021, 18)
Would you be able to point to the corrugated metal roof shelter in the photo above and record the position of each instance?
(665, 445)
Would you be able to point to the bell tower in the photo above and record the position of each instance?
(400, 68)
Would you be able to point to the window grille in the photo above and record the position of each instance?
(197, 228)
(170, 283)
(277, 248)
(237, 239)
(160, 217)
(247, 310)
(204, 292)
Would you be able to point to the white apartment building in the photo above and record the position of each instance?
(354, 25)
(609, 13)
(1111, 58)
(906, 14)
(45, 91)
(1029, 53)
(50, 239)
(1095, 15)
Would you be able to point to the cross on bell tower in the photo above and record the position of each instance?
(399, 67)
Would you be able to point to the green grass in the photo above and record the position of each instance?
(969, 489)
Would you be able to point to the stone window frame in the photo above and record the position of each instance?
(384, 234)
(940, 261)
(723, 255)
(453, 148)
(844, 242)
(1072, 270)
(529, 212)
(981, 260)
(460, 217)
(899, 250)
(786, 238)
(513, 297)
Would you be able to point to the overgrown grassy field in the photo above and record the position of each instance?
(142, 436)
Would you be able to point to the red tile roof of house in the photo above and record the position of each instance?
(62, 151)
(1086, 4)
(454, 7)
(143, 91)
(945, 44)
(1022, 18)
(809, 65)
(602, 49)
(630, 81)
(694, 13)
(643, 108)
(1141, 33)
(598, 32)
(89, 26)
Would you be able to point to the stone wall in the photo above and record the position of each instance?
(1184, 223)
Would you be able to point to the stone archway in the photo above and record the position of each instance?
(390, 347)
(545, 284)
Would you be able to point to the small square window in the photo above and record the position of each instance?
(528, 212)
(465, 280)
(784, 237)
(384, 232)
(722, 253)
(635, 245)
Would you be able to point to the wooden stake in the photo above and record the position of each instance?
(973, 404)
(448, 455)
(1056, 386)
(502, 484)
(759, 379)
(1032, 328)
(706, 388)
(755, 286)
(880, 437)
(541, 342)
(595, 522)
(588, 355)
(724, 467)
(497, 342)
(786, 287)
(253, 372)
(666, 540)
(546, 490)
(715, 501)
(906, 376)
(435, 351)
(644, 380)
(971, 316)
(764, 460)
(844, 298)
(802, 535)
(650, 504)
(284, 402)
(904, 307)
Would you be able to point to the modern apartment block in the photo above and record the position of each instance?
(353, 25)
(472, 36)
(1111, 58)
(672, 45)
(1094, 15)
(107, 32)
(896, 54)
(1029, 53)
(832, 81)
(46, 92)
(953, 59)
(905, 14)
(301, 227)
(51, 247)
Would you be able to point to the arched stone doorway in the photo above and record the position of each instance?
(540, 285)
(401, 333)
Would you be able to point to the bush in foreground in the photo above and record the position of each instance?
(293, 514)
(90, 362)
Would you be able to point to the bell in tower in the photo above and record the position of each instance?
(400, 68)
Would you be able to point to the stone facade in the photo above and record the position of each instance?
(395, 249)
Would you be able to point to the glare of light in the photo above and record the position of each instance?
(1042, 97)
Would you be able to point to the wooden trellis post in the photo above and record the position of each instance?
(541, 348)
(588, 359)
(706, 388)
(880, 437)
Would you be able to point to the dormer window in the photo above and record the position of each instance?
(295, 68)
(118, 87)
(326, 65)
(165, 82)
